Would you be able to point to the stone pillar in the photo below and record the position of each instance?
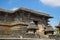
(40, 31)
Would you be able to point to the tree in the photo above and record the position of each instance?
(57, 32)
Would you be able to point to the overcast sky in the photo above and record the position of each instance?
(51, 7)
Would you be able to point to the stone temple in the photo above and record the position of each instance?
(24, 23)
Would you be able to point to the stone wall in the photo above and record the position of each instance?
(27, 39)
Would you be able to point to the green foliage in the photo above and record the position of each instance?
(57, 32)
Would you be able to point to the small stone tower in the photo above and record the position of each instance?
(31, 31)
(32, 28)
(49, 31)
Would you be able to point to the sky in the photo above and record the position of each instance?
(51, 7)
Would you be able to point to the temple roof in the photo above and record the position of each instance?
(3, 10)
(49, 28)
(35, 12)
(28, 10)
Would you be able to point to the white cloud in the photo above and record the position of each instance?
(14, 9)
(51, 2)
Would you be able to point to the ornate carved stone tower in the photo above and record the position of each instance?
(17, 23)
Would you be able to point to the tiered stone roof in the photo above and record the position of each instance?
(32, 26)
(49, 28)
(27, 10)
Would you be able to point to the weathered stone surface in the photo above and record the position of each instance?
(15, 23)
